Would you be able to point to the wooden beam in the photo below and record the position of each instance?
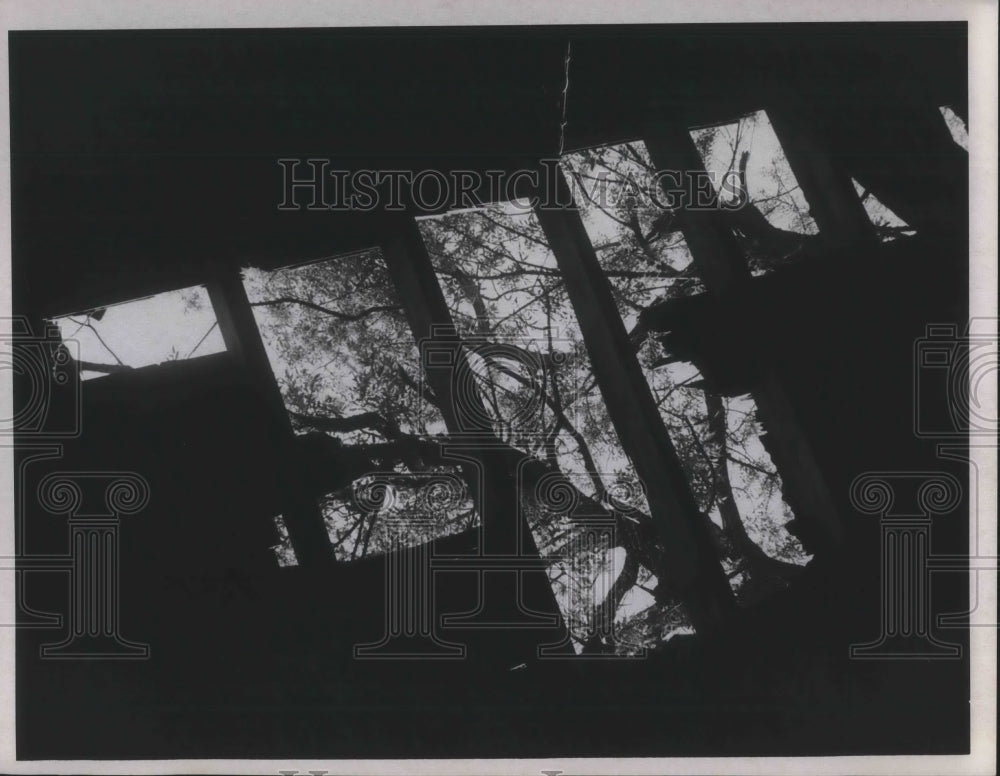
(717, 257)
(302, 515)
(833, 201)
(693, 563)
(417, 287)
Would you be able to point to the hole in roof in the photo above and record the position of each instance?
(283, 551)
(349, 374)
(504, 288)
(956, 126)
(730, 471)
(638, 244)
(171, 326)
(772, 186)
(392, 510)
(888, 226)
(643, 269)
(339, 345)
(774, 226)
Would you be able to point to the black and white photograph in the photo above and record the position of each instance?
(456, 389)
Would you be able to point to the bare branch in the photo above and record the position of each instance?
(326, 310)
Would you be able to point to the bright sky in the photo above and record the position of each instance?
(146, 331)
(770, 180)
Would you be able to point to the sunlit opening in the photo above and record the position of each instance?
(959, 131)
(888, 226)
(172, 326)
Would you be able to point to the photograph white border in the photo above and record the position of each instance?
(138, 14)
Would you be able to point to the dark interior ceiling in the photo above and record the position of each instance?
(140, 161)
(140, 158)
